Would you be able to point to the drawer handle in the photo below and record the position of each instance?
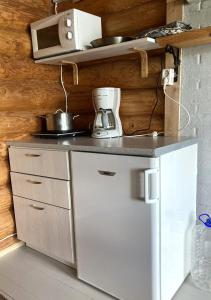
(33, 182)
(32, 155)
(106, 173)
(37, 207)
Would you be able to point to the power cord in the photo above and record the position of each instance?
(180, 105)
(56, 8)
(151, 115)
(153, 134)
(63, 87)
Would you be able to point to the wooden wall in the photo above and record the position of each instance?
(26, 90)
(125, 17)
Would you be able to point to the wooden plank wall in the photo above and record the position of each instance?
(175, 12)
(26, 90)
(121, 17)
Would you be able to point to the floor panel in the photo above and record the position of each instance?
(26, 274)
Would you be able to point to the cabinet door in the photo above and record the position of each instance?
(117, 230)
(45, 228)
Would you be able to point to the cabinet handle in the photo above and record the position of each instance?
(106, 173)
(37, 207)
(33, 182)
(149, 188)
(32, 155)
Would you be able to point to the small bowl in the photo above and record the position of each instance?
(110, 41)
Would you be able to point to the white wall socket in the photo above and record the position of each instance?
(168, 76)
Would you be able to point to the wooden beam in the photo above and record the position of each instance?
(172, 111)
(187, 39)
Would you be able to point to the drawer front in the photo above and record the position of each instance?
(46, 190)
(45, 228)
(41, 162)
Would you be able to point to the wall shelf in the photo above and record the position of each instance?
(102, 52)
(187, 39)
(181, 40)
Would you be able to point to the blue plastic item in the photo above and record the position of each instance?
(206, 222)
(201, 253)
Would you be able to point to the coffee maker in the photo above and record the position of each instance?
(106, 103)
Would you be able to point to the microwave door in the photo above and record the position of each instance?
(48, 37)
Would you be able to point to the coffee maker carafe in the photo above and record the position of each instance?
(107, 123)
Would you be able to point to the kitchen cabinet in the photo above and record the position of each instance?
(133, 221)
(45, 228)
(42, 204)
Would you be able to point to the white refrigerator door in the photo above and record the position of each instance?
(117, 223)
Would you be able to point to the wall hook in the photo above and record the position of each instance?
(144, 61)
(75, 70)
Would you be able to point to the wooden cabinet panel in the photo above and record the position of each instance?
(9, 46)
(143, 17)
(27, 69)
(45, 228)
(26, 90)
(99, 8)
(4, 173)
(7, 225)
(41, 162)
(39, 8)
(5, 199)
(46, 190)
(36, 98)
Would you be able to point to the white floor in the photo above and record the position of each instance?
(28, 275)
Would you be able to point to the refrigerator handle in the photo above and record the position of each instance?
(149, 186)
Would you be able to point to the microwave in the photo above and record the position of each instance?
(68, 31)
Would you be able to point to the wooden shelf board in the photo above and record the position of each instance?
(102, 52)
(187, 39)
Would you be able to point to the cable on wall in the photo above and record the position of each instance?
(61, 67)
(64, 89)
(56, 8)
(135, 133)
(180, 105)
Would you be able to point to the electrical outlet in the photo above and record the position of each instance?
(168, 76)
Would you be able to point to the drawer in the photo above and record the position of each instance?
(47, 190)
(41, 162)
(45, 228)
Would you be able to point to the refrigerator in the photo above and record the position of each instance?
(133, 218)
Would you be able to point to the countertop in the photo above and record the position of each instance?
(136, 146)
